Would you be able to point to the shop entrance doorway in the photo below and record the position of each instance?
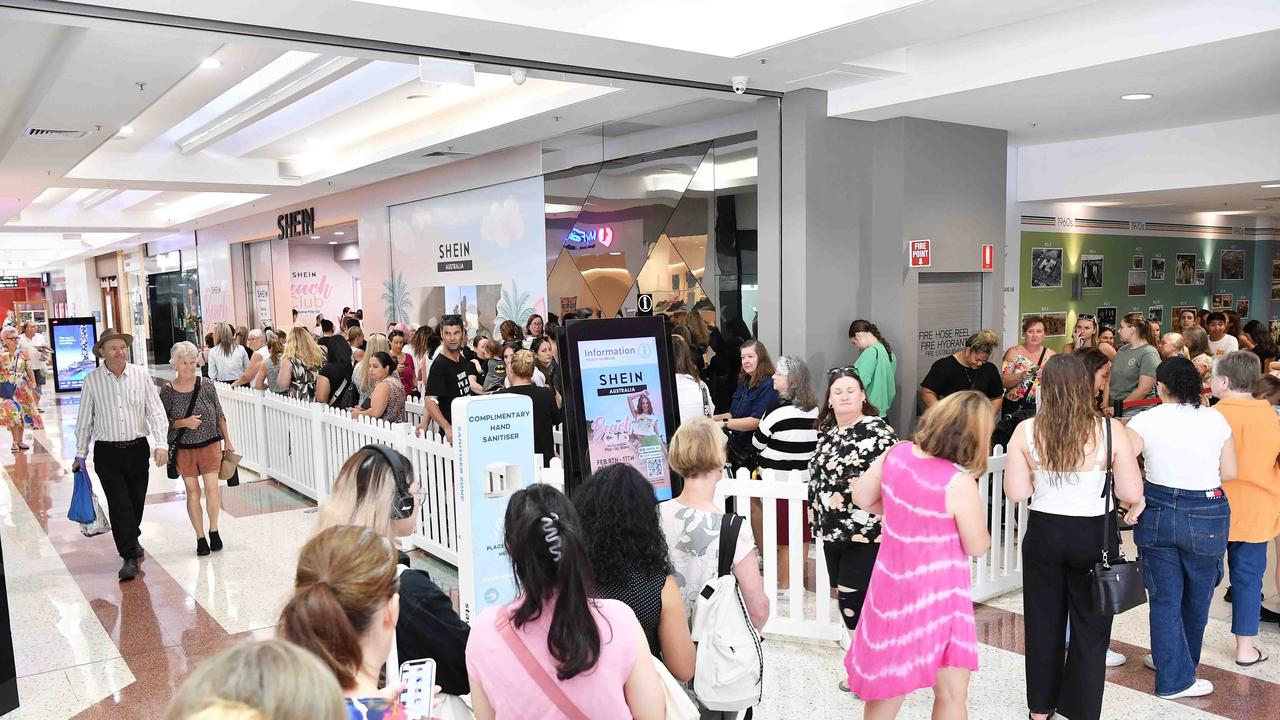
(170, 314)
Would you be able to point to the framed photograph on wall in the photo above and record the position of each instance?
(1157, 269)
(1184, 269)
(1046, 267)
(1138, 261)
(1155, 313)
(1242, 307)
(1106, 317)
(1137, 283)
(1199, 276)
(1091, 272)
(1231, 265)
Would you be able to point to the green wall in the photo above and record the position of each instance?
(1117, 252)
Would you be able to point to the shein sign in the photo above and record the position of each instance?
(580, 239)
(298, 222)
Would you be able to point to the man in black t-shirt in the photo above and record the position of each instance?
(449, 377)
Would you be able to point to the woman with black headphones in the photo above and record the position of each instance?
(376, 488)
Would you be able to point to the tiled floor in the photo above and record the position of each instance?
(90, 647)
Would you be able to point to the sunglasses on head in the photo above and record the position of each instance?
(846, 371)
(1085, 316)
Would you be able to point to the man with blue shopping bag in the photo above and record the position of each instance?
(119, 404)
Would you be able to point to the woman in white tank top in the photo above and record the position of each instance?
(1058, 460)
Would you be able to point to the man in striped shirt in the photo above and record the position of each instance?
(119, 403)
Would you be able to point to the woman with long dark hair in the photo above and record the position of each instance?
(1264, 346)
(593, 650)
(629, 555)
(851, 436)
(1059, 460)
(754, 398)
(876, 364)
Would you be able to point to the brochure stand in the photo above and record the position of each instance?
(493, 445)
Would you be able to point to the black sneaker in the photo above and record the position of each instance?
(141, 554)
(215, 542)
(1226, 597)
(202, 547)
(1268, 615)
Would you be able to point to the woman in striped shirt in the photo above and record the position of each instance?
(786, 439)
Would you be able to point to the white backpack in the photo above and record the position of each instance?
(729, 674)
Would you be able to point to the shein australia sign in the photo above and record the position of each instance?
(298, 222)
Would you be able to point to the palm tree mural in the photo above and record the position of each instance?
(397, 299)
(514, 305)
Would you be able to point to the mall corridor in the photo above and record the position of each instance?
(90, 647)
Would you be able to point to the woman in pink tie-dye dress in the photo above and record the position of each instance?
(917, 627)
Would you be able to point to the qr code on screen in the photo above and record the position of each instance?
(653, 467)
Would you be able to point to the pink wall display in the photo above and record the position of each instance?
(318, 282)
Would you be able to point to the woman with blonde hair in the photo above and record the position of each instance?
(227, 359)
(377, 489)
(1170, 345)
(919, 630)
(269, 372)
(1060, 460)
(198, 432)
(273, 677)
(355, 338)
(375, 343)
(300, 364)
(344, 609)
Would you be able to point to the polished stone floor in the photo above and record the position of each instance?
(90, 647)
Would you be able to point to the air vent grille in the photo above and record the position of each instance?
(446, 154)
(53, 134)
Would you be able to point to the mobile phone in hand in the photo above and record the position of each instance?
(419, 678)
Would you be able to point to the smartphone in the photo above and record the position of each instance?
(419, 678)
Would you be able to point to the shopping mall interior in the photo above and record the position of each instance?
(777, 169)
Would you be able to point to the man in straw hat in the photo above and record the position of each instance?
(119, 403)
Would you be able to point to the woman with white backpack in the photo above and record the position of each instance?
(693, 524)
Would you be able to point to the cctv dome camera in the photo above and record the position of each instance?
(519, 75)
(739, 84)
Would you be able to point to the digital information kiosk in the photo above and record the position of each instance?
(620, 400)
(493, 446)
(72, 340)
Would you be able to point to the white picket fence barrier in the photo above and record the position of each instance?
(304, 444)
(997, 572)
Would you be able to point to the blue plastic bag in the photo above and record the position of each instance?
(81, 510)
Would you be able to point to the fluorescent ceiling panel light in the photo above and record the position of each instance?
(315, 237)
(270, 73)
(333, 242)
(707, 28)
(1137, 96)
(98, 197)
(1272, 185)
(339, 233)
(554, 208)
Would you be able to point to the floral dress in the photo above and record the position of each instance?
(843, 455)
(1031, 380)
(17, 397)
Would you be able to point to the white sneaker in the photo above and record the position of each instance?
(1115, 659)
(1148, 662)
(1199, 688)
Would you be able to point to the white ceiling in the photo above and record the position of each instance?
(208, 144)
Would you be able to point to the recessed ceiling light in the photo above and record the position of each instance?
(1272, 185)
(333, 242)
(211, 63)
(315, 237)
(1137, 96)
(339, 232)
(126, 131)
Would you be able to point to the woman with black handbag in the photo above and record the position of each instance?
(1061, 460)
(1185, 518)
(197, 439)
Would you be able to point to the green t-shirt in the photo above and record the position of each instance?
(877, 370)
(1129, 365)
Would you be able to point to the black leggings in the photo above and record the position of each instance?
(849, 565)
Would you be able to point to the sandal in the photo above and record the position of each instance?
(23, 446)
(843, 686)
(1261, 657)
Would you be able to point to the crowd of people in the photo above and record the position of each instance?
(611, 582)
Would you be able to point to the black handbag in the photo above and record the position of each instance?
(1117, 584)
(172, 468)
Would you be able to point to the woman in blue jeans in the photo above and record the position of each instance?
(1182, 530)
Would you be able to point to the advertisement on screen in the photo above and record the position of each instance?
(623, 408)
(73, 340)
